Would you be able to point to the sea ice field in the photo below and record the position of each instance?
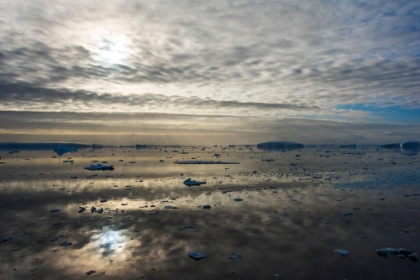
(311, 213)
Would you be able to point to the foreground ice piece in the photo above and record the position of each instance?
(342, 252)
(196, 255)
(98, 167)
(186, 227)
(238, 199)
(235, 256)
(190, 182)
(7, 238)
(400, 253)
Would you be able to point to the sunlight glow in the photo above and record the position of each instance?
(113, 50)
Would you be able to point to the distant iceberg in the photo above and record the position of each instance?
(409, 146)
(280, 145)
(61, 150)
(99, 167)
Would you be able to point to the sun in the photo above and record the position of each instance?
(113, 50)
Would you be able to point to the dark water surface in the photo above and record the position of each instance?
(274, 228)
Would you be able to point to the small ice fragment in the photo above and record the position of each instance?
(66, 243)
(55, 210)
(54, 239)
(103, 200)
(238, 199)
(206, 206)
(404, 230)
(100, 210)
(90, 272)
(319, 218)
(400, 253)
(196, 255)
(186, 227)
(363, 236)
(170, 207)
(342, 252)
(8, 238)
(346, 213)
(81, 209)
(235, 256)
(413, 257)
(190, 182)
(93, 209)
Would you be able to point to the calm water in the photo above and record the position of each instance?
(274, 228)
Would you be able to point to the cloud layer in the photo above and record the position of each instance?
(295, 59)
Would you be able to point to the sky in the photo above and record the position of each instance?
(210, 72)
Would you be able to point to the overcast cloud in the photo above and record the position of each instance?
(307, 60)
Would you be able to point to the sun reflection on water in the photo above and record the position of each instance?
(111, 243)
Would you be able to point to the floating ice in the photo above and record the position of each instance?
(100, 211)
(66, 243)
(196, 255)
(13, 152)
(363, 236)
(61, 150)
(55, 210)
(204, 162)
(55, 238)
(346, 213)
(93, 209)
(342, 252)
(409, 146)
(81, 209)
(190, 182)
(170, 207)
(235, 256)
(98, 167)
(274, 145)
(206, 206)
(90, 272)
(186, 227)
(400, 253)
(103, 200)
(238, 199)
(7, 238)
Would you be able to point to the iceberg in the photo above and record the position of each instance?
(98, 167)
(61, 150)
(409, 146)
(280, 145)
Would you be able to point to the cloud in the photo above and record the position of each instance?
(295, 59)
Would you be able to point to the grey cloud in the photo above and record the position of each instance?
(300, 58)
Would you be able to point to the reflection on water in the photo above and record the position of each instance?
(289, 222)
(110, 243)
